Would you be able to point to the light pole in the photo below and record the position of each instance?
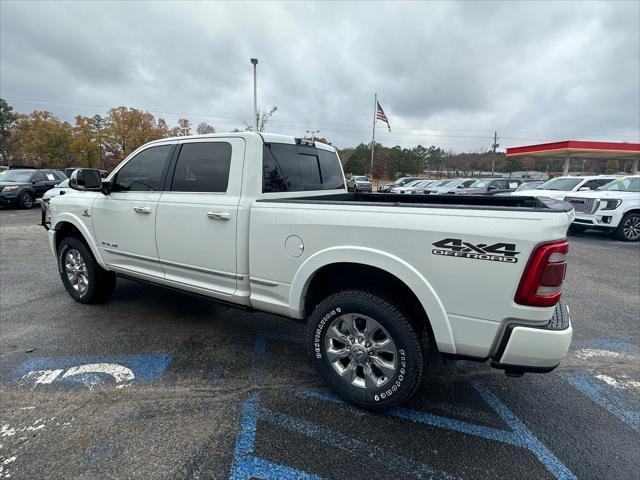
(312, 133)
(254, 62)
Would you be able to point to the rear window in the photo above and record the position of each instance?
(298, 168)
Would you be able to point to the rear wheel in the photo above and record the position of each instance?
(366, 349)
(85, 280)
(629, 228)
(26, 200)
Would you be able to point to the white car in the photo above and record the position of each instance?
(419, 187)
(263, 221)
(451, 186)
(60, 189)
(559, 187)
(407, 187)
(615, 207)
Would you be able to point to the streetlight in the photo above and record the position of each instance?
(254, 62)
(312, 133)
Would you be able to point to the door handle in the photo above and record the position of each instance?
(142, 209)
(219, 215)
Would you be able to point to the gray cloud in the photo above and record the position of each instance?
(447, 73)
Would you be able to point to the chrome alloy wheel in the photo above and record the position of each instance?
(631, 228)
(361, 351)
(76, 271)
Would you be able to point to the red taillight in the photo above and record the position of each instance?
(541, 283)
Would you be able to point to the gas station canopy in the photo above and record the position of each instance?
(571, 149)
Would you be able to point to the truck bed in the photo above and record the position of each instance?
(479, 202)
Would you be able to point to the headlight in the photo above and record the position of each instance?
(8, 188)
(610, 204)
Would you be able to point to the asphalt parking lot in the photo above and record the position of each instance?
(159, 384)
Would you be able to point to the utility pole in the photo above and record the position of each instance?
(494, 147)
(254, 62)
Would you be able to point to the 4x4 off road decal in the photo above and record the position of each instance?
(455, 247)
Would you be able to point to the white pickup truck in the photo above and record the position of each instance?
(264, 222)
(614, 208)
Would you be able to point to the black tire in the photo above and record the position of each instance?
(100, 282)
(629, 228)
(577, 228)
(409, 361)
(26, 200)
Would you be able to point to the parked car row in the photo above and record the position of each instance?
(602, 202)
(22, 187)
(455, 186)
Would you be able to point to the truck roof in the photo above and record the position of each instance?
(266, 138)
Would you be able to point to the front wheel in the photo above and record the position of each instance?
(366, 349)
(26, 200)
(629, 228)
(85, 280)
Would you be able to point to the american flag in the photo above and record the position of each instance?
(381, 116)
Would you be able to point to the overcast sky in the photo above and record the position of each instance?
(447, 74)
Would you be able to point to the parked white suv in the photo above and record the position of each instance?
(559, 187)
(263, 221)
(615, 207)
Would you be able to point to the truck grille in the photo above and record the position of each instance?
(583, 205)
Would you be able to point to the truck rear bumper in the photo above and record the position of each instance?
(529, 349)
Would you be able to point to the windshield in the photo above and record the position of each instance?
(481, 183)
(564, 184)
(14, 176)
(631, 184)
(413, 183)
(401, 181)
(361, 179)
(527, 186)
(441, 183)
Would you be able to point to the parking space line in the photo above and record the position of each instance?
(607, 396)
(393, 461)
(246, 465)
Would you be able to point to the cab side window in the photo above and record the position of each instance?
(143, 172)
(202, 167)
(38, 177)
(594, 184)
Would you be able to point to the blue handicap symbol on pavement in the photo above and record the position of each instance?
(91, 371)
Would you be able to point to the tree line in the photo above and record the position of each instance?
(40, 139)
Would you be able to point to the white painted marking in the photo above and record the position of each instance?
(118, 372)
(623, 381)
(43, 377)
(586, 353)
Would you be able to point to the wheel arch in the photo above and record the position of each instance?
(374, 265)
(67, 225)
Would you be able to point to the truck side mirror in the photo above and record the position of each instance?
(86, 179)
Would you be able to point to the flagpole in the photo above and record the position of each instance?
(373, 136)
